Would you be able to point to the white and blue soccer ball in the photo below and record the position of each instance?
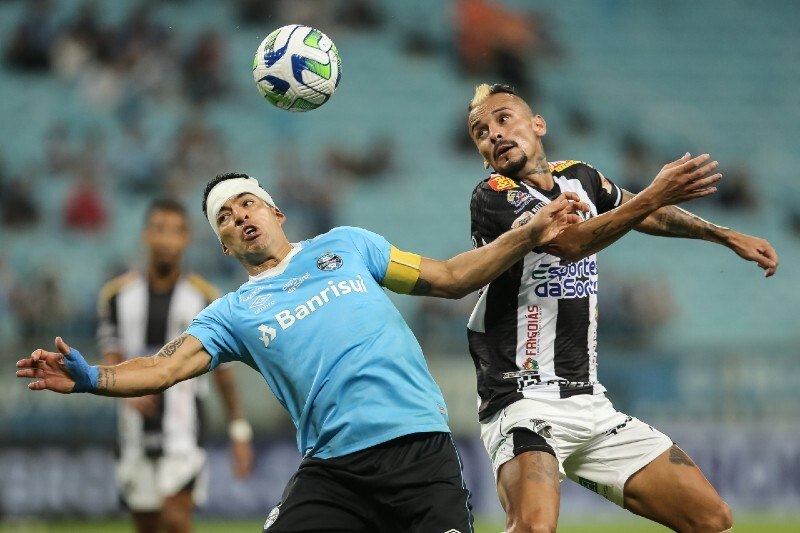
(297, 68)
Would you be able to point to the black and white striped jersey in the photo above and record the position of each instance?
(135, 321)
(533, 332)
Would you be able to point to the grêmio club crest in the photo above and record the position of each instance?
(329, 261)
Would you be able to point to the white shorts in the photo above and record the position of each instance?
(145, 483)
(595, 445)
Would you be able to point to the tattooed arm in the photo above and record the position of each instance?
(678, 181)
(597, 233)
(672, 221)
(469, 271)
(179, 360)
(66, 371)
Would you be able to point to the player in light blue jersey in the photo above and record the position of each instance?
(314, 321)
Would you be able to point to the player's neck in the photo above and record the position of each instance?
(538, 173)
(162, 278)
(272, 261)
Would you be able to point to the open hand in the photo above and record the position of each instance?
(48, 368)
(555, 217)
(755, 249)
(684, 179)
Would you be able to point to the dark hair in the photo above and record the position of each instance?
(165, 204)
(213, 183)
(498, 88)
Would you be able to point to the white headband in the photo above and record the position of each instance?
(224, 190)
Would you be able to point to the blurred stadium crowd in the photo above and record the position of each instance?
(110, 104)
(144, 101)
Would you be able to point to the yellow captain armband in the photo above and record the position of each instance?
(403, 271)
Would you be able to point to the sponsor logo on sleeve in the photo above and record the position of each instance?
(502, 183)
(329, 262)
(605, 183)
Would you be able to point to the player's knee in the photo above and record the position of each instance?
(527, 523)
(175, 520)
(716, 519)
(723, 517)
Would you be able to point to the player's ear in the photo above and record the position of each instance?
(280, 216)
(486, 164)
(225, 250)
(539, 125)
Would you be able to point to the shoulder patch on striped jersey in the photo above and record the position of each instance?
(209, 291)
(502, 183)
(114, 286)
(605, 183)
(558, 166)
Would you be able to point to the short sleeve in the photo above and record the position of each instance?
(212, 327)
(607, 194)
(373, 248)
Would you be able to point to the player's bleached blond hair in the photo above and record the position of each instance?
(484, 91)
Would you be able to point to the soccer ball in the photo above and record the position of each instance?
(297, 68)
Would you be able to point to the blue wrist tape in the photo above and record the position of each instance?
(85, 375)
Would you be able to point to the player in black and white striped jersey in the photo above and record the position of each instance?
(162, 472)
(551, 353)
(533, 333)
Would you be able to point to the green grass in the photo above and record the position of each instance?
(751, 524)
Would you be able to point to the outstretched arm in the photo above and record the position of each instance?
(672, 221)
(469, 271)
(679, 181)
(66, 371)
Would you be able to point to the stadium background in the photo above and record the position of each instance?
(106, 105)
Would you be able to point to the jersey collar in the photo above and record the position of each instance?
(281, 267)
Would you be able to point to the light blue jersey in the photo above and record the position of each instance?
(330, 344)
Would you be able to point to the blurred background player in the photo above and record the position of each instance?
(533, 334)
(162, 473)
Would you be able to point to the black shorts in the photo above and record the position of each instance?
(413, 483)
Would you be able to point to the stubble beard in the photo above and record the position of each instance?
(255, 255)
(512, 168)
